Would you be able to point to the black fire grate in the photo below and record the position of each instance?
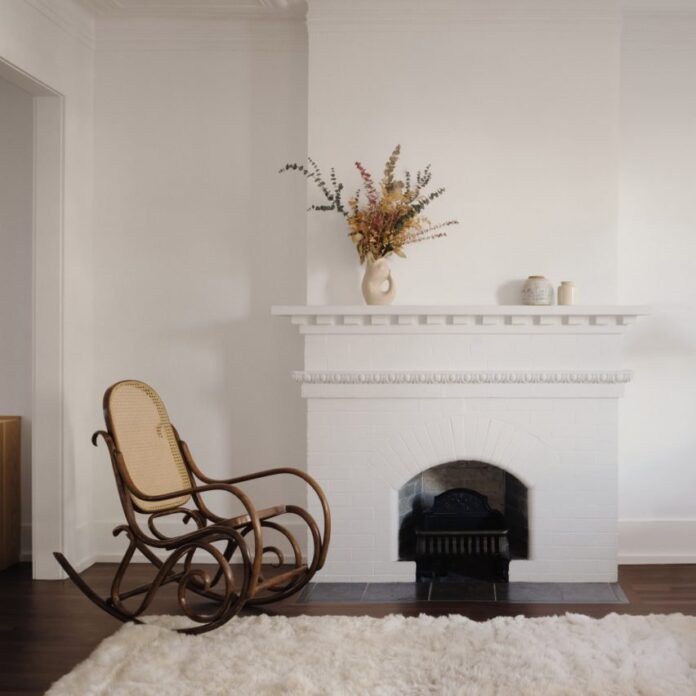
(461, 534)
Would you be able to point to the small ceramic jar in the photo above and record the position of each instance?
(566, 293)
(537, 291)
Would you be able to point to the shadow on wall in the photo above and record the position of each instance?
(510, 293)
(264, 403)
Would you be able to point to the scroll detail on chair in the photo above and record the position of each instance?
(156, 476)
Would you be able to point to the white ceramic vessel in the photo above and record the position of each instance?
(566, 293)
(537, 290)
(378, 286)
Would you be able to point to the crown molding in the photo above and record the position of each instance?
(470, 377)
(70, 16)
(196, 9)
(176, 34)
(455, 15)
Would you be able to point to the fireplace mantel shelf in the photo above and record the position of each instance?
(290, 310)
(436, 318)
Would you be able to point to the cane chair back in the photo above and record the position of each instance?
(140, 426)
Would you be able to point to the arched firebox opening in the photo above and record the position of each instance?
(464, 518)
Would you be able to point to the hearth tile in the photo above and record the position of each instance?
(336, 592)
(468, 591)
(590, 592)
(620, 594)
(529, 592)
(305, 594)
(397, 592)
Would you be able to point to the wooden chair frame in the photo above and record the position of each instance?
(243, 534)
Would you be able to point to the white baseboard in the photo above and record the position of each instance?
(656, 559)
(82, 552)
(657, 541)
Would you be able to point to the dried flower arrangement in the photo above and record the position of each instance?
(390, 217)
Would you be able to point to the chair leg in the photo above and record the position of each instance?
(89, 592)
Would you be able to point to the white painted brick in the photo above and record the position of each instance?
(332, 472)
(343, 568)
(363, 449)
(352, 513)
(362, 555)
(315, 352)
(353, 541)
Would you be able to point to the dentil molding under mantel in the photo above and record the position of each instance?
(460, 318)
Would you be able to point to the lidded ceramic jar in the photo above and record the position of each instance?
(566, 293)
(537, 291)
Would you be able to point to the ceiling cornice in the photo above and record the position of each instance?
(176, 34)
(457, 15)
(70, 16)
(196, 9)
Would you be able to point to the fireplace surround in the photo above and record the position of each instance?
(392, 392)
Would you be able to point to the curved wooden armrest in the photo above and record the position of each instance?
(263, 474)
(291, 471)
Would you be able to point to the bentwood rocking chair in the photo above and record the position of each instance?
(157, 477)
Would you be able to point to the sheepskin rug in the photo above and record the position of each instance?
(340, 655)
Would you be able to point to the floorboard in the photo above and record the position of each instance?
(47, 627)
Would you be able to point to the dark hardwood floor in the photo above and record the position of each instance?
(47, 627)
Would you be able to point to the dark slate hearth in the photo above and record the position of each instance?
(463, 591)
(468, 591)
(529, 592)
(330, 592)
(397, 592)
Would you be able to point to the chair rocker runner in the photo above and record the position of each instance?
(156, 476)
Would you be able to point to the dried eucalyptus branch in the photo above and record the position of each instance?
(392, 216)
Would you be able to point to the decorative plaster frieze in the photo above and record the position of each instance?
(473, 377)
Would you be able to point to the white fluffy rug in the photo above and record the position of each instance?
(340, 655)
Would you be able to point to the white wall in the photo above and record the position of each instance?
(50, 41)
(657, 245)
(196, 236)
(515, 105)
(16, 225)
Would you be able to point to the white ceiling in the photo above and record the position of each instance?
(194, 8)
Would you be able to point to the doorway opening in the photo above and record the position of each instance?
(31, 232)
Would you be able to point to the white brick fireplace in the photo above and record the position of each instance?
(393, 391)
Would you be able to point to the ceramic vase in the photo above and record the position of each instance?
(378, 286)
(537, 291)
(566, 293)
